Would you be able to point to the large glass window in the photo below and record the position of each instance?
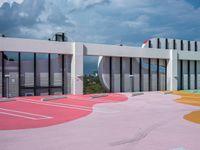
(67, 73)
(11, 69)
(42, 74)
(154, 74)
(136, 73)
(145, 74)
(1, 74)
(26, 74)
(42, 77)
(162, 74)
(56, 70)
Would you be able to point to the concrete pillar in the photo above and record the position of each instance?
(172, 71)
(77, 69)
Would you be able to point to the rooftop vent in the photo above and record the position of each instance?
(60, 36)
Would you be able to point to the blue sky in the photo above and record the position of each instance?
(101, 21)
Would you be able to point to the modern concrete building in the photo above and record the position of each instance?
(37, 67)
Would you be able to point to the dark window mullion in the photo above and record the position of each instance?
(181, 44)
(3, 74)
(166, 44)
(149, 44)
(140, 73)
(35, 74)
(158, 43)
(189, 47)
(49, 73)
(195, 74)
(181, 74)
(63, 74)
(121, 78)
(189, 74)
(131, 62)
(149, 72)
(110, 63)
(195, 46)
(158, 75)
(174, 44)
(19, 72)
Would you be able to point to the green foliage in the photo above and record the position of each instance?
(92, 84)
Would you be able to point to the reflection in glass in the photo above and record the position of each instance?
(56, 70)
(11, 69)
(162, 72)
(1, 74)
(42, 78)
(27, 70)
(145, 74)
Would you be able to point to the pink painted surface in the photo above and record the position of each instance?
(152, 121)
(31, 112)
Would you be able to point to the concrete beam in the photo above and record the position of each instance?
(172, 71)
(124, 51)
(77, 69)
(37, 46)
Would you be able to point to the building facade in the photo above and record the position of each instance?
(36, 67)
(117, 73)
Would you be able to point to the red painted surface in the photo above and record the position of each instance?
(31, 112)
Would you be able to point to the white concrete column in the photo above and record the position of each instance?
(77, 69)
(172, 71)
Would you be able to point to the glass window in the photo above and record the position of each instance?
(42, 70)
(42, 91)
(1, 74)
(136, 73)
(67, 73)
(56, 91)
(145, 74)
(154, 74)
(27, 92)
(162, 73)
(11, 69)
(27, 70)
(56, 70)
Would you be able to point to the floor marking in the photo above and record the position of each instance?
(22, 114)
(90, 109)
(54, 103)
(15, 115)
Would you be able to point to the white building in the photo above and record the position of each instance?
(37, 67)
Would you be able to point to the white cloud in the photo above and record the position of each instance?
(103, 21)
(10, 2)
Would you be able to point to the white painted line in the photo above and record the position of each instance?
(54, 103)
(15, 115)
(59, 105)
(25, 113)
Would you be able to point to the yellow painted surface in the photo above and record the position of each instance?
(190, 99)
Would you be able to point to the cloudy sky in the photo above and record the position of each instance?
(101, 21)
